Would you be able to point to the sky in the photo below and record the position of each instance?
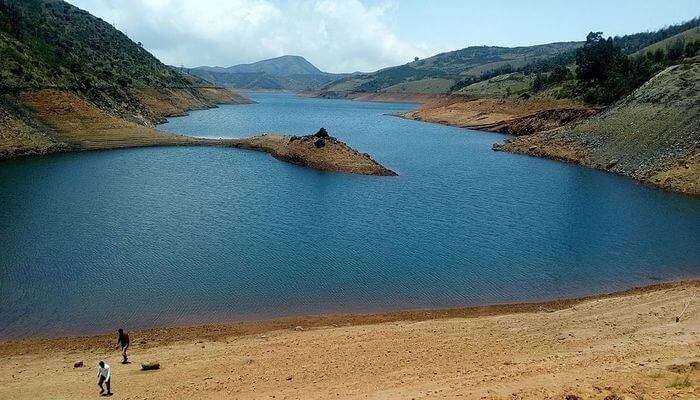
(366, 35)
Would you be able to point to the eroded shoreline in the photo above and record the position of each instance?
(166, 335)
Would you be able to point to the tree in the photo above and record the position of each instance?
(559, 74)
(676, 50)
(538, 83)
(659, 55)
(597, 59)
(691, 48)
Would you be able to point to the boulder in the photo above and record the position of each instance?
(148, 366)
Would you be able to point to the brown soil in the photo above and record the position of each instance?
(517, 117)
(170, 102)
(334, 155)
(626, 344)
(44, 121)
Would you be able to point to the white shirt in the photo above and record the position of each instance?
(105, 371)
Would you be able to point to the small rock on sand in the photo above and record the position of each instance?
(147, 366)
(78, 364)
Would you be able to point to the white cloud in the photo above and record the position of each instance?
(335, 35)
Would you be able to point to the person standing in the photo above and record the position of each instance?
(123, 342)
(104, 375)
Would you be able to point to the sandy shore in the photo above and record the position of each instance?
(626, 344)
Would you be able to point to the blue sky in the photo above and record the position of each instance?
(366, 35)
(517, 23)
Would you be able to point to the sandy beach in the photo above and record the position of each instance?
(625, 344)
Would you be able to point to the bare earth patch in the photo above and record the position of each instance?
(518, 117)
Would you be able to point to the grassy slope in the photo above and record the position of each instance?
(689, 35)
(652, 135)
(71, 81)
(454, 65)
(504, 85)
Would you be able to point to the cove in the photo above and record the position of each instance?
(168, 236)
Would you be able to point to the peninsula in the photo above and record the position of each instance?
(319, 151)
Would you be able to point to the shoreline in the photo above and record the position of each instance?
(624, 345)
(159, 336)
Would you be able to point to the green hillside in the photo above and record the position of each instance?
(687, 36)
(70, 81)
(471, 62)
(52, 43)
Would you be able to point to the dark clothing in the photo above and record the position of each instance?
(123, 340)
(106, 382)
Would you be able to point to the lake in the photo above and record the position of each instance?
(166, 236)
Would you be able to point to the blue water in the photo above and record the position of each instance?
(161, 236)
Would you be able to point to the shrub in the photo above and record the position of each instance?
(322, 133)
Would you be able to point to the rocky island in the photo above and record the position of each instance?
(319, 151)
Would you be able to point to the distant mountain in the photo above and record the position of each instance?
(280, 66)
(281, 73)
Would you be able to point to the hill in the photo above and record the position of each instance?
(438, 74)
(71, 81)
(281, 73)
(280, 66)
(687, 36)
(652, 135)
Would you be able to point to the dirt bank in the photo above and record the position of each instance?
(517, 117)
(49, 120)
(627, 344)
(325, 154)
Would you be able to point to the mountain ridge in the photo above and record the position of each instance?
(288, 72)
